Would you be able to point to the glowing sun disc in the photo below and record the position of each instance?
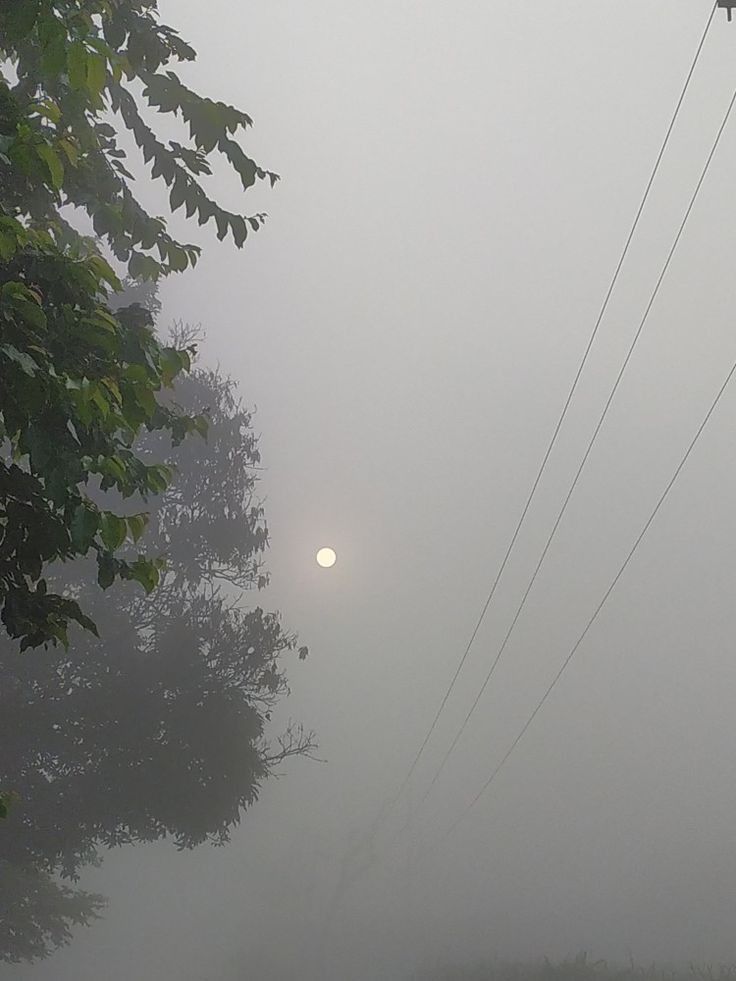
(326, 557)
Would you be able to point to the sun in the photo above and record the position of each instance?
(326, 557)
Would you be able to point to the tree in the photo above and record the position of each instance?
(156, 730)
(37, 913)
(75, 391)
(79, 383)
(78, 64)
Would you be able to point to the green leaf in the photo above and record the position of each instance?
(114, 30)
(25, 361)
(49, 109)
(96, 74)
(146, 400)
(59, 632)
(70, 150)
(53, 57)
(6, 801)
(178, 259)
(76, 63)
(114, 468)
(32, 313)
(21, 18)
(239, 230)
(106, 320)
(105, 569)
(27, 309)
(85, 523)
(144, 266)
(103, 271)
(173, 362)
(50, 28)
(158, 478)
(178, 193)
(98, 398)
(87, 623)
(137, 525)
(222, 222)
(245, 167)
(113, 530)
(53, 163)
(8, 246)
(144, 571)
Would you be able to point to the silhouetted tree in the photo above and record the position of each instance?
(158, 729)
(37, 913)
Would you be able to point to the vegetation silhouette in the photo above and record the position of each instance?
(156, 729)
(579, 968)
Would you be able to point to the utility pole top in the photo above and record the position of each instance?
(729, 6)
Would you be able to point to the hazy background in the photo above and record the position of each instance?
(458, 182)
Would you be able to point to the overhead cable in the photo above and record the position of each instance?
(560, 421)
(522, 732)
(588, 450)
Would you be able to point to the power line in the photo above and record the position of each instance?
(560, 422)
(606, 595)
(586, 456)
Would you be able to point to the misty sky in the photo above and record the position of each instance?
(458, 182)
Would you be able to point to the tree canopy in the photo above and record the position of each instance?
(87, 69)
(158, 729)
(79, 382)
(38, 913)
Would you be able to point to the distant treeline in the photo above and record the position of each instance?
(581, 968)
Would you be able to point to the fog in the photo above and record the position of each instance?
(458, 181)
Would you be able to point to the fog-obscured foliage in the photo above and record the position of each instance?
(37, 912)
(158, 729)
(580, 968)
(409, 325)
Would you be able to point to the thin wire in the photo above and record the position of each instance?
(593, 618)
(584, 461)
(560, 421)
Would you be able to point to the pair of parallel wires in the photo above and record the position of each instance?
(390, 803)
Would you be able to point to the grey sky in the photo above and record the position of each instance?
(458, 181)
